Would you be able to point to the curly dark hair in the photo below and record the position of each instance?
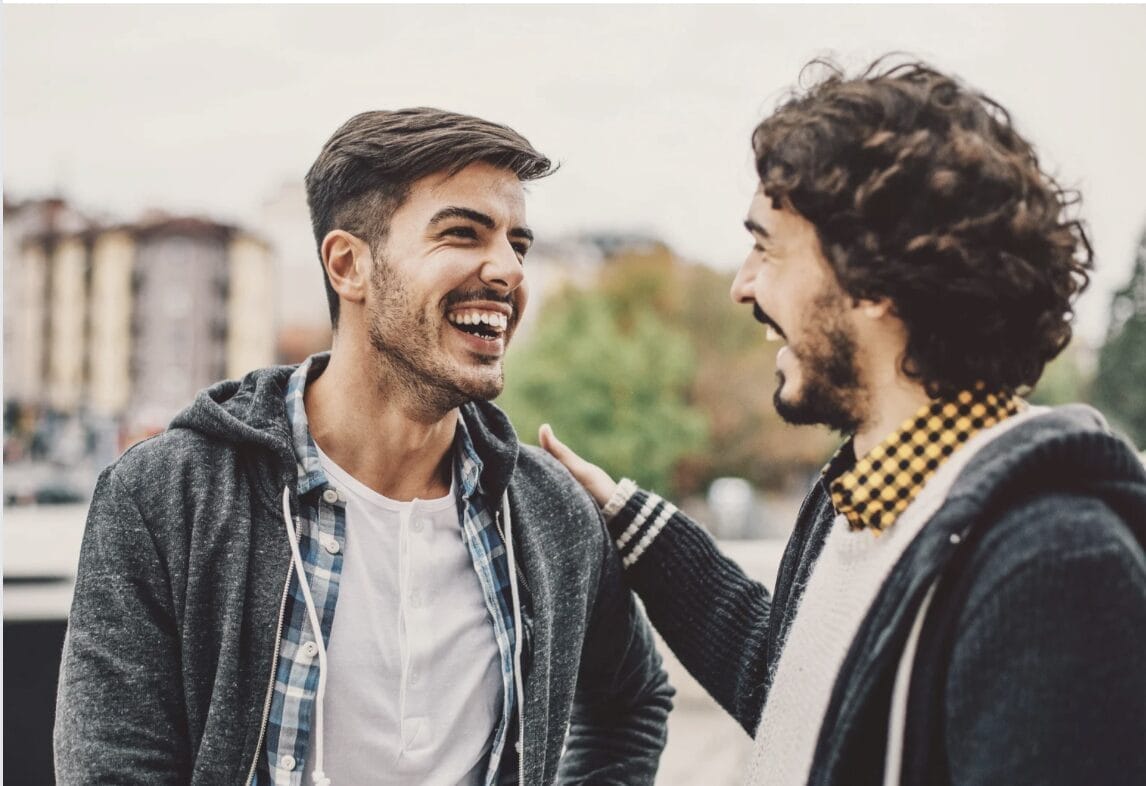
(922, 192)
(366, 169)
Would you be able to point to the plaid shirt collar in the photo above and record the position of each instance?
(310, 474)
(874, 491)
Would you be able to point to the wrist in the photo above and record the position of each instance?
(621, 495)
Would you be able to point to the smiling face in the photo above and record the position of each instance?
(448, 287)
(795, 294)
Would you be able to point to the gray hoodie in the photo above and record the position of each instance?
(172, 634)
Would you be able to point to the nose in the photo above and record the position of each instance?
(744, 285)
(502, 269)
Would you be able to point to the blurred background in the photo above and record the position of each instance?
(156, 239)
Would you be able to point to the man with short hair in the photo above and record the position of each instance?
(350, 572)
(963, 597)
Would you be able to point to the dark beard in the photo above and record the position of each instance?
(433, 399)
(431, 388)
(831, 394)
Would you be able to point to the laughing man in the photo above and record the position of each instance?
(350, 572)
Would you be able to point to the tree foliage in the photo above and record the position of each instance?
(653, 373)
(615, 388)
(1120, 386)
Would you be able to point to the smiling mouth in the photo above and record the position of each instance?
(482, 323)
(773, 333)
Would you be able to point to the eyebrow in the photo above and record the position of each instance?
(452, 212)
(755, 228)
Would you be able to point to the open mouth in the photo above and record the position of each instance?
(773, 333)
(482, 323)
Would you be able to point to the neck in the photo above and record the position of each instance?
(892, 400)
(365, 424)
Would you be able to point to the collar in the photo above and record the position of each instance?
(875, 491)
(467, 463)
(310, 474)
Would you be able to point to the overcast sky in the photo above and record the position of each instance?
(209, 109)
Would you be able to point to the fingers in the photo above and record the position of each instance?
(596, 481)
(558, 449)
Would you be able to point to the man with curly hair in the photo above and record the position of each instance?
(963, 597)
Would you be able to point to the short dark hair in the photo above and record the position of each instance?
(365, 170)
(922, 192)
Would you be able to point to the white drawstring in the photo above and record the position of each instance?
(320, 778)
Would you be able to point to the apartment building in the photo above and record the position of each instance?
(127, 321)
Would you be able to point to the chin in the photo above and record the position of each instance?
(483, 387)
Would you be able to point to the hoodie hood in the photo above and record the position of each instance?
(252, 412)
(1069, 448)
(246, 412)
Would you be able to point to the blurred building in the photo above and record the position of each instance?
(303, 315)
(126, 321)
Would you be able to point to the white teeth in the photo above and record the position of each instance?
(771, 334)
(490, 318)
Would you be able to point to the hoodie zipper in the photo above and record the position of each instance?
(517, 629)
(274, 669)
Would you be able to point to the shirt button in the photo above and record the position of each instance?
(419, 524)
(309, 650)
(330, 495)
(287, 762)
(331, 545)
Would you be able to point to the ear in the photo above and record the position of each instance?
(348, 263)
(875, 309)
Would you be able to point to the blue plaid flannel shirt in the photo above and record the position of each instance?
(321, 526)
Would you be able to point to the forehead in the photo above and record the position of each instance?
(479, 186)
(782, 224)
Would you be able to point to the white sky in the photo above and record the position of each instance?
(210, 109)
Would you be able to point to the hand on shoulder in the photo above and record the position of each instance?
(595, 480)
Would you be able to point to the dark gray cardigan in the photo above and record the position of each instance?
(1031, 664)
(184, 560)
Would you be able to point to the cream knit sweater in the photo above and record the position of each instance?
(844, 582)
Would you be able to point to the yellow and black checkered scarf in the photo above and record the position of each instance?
(881, 485)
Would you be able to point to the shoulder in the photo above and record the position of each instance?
(1036, 544)
(171, 474)
(542, 485)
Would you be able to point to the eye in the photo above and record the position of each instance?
(464, 232)
(521, 248)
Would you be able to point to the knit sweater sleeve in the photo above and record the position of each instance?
(709, 612)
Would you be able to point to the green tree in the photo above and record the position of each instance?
(1120, 385)
(1063, 380)
(615, 388)
(711, 366)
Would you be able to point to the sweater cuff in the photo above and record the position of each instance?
(625, 489)
(639, 521)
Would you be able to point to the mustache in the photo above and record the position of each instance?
(764, 319)
(459, 296)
